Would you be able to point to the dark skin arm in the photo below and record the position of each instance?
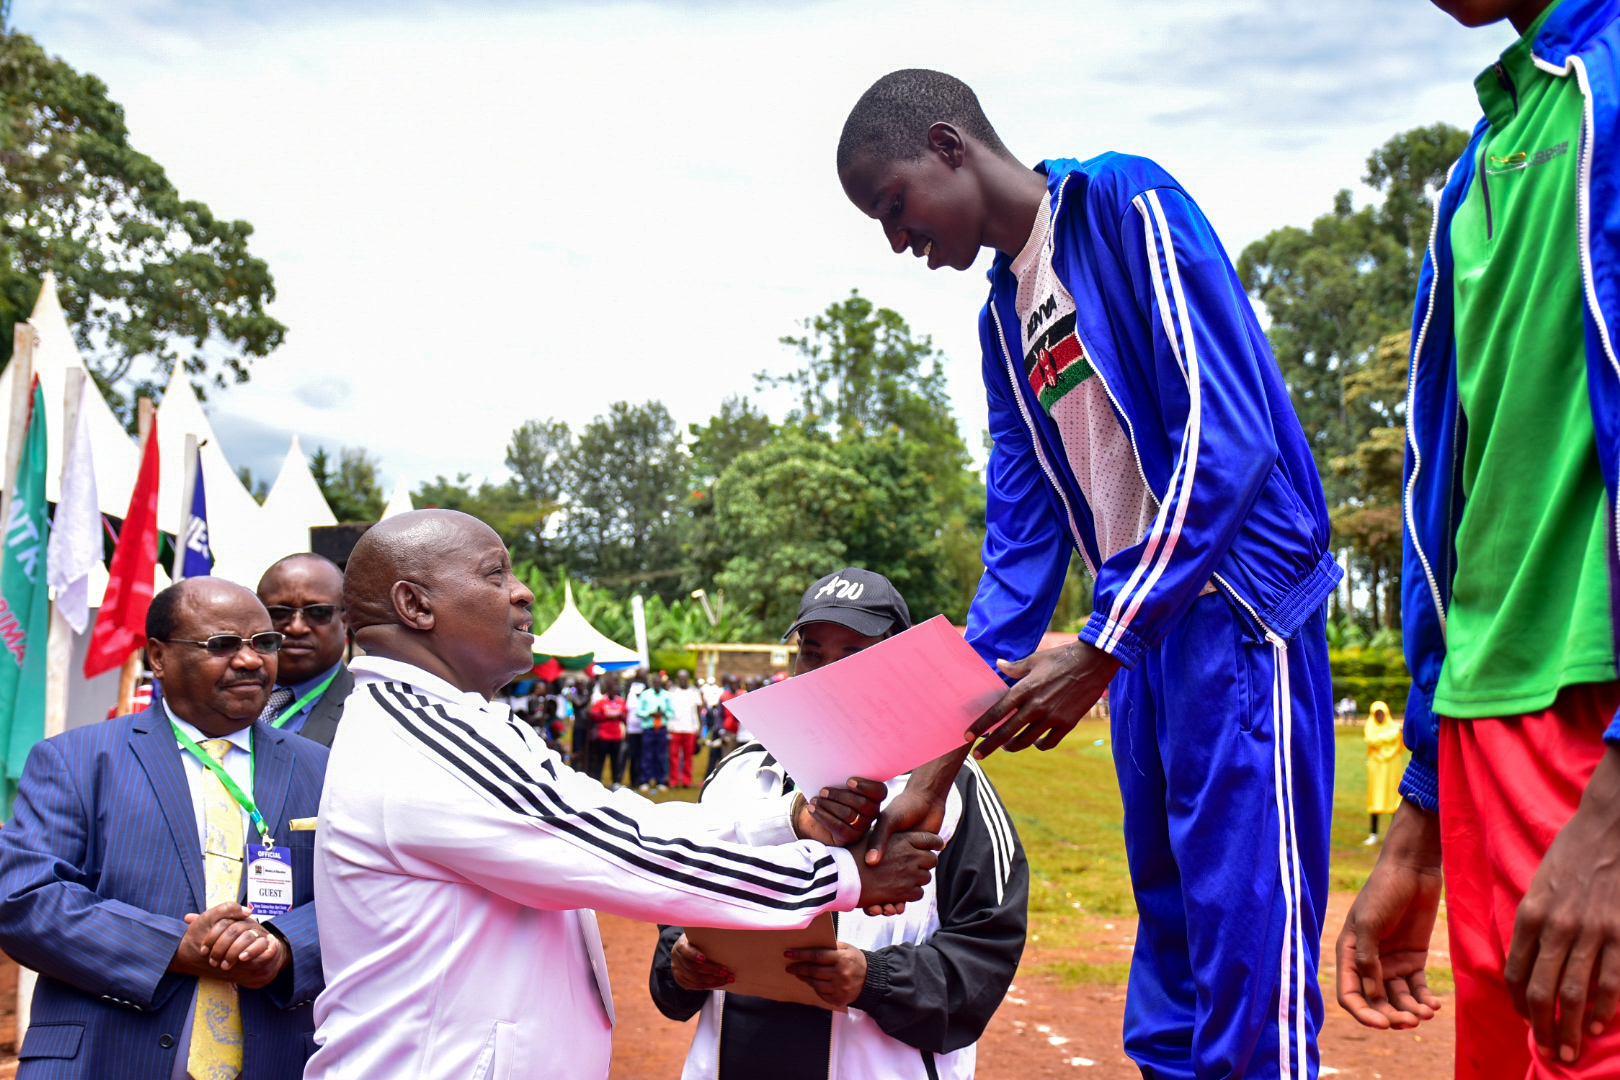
(1563, 967)
(694, 971)
(839, 817)
(1383, 948)
(837, 975)
(225, 943)
(1054, 691)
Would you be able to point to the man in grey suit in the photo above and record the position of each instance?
(304, 595)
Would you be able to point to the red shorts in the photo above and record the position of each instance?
(1507, 786)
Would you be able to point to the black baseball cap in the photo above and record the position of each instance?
(865, 602)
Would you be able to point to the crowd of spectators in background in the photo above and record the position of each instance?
(635, 729)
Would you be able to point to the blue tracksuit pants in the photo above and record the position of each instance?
(1224, 748)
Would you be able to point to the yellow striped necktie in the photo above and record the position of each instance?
(216, 1027)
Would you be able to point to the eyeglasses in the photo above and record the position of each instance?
(267, 644)
(314, 614)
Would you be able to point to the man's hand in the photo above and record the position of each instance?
(225, 943)
(694, 971)
(920, 807)
(836, 975)
(1384, 945)
(1563, 967)
(1054, 691)
(899, 878)
(839, 817)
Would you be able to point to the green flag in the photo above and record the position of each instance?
(25, 607)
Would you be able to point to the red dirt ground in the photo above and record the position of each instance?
(1044, 1030)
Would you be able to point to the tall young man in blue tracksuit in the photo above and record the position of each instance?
(1510, 574)
(1139, 418)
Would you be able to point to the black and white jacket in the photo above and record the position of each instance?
(935, 975)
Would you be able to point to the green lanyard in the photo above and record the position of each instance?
(243, 799)
(296, 707)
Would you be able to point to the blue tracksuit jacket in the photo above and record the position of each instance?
(1580, 40)
(1192, 378)
(1222, 716)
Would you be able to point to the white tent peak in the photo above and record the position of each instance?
(399, 502)
(295, 494)
(571, 636)
(117, 460)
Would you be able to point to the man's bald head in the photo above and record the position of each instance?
(435, 588)
(407, 547)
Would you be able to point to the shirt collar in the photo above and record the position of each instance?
(242, 740)
(299, 689)
(381, 669)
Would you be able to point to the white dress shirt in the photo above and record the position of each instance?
(238, 762)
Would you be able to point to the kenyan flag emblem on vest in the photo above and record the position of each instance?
(1056, 362)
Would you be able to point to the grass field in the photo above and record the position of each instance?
(1065, 803)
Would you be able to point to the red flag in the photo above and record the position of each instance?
(121, 622)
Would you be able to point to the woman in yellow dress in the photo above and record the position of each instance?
(1384, 746)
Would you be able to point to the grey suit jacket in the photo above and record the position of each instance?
(321, 724)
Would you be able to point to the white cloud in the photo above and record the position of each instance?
(478, 214)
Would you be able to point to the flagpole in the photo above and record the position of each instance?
(59, 647)
(188, 491)
(144, 412)
(22, 392)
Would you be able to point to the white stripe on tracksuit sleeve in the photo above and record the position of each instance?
(515, 820)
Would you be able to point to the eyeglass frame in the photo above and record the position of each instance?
(281, 639)
(294, 612)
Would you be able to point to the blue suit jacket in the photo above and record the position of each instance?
(98, 868)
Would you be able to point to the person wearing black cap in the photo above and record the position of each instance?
(918, 998)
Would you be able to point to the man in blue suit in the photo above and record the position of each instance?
(122, 873)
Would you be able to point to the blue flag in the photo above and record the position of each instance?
(199, 561)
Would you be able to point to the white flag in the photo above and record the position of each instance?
(76, 531)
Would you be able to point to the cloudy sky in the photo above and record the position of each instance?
(483, 212)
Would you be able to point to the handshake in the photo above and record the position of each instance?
(893, 870)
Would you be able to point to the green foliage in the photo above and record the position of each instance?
(736, 429)
(258, 490)
(806, 505)
(351, 489)
(540, 455)
(143, 273)
(869, 470)
(1340, 296)
(1074, 602)
(1368, 670)
(670, 625)
(627, 486)
(515, 517)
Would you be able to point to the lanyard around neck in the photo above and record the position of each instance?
(243, 799)
(298, 706)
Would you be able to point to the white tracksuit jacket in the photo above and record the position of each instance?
(456, 863)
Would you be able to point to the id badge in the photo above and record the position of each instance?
(269, 881)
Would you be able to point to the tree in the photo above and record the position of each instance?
(259, 490)
(538, 456)
(627, 484)
(806, 504)
(877, 392)
(516, 518)
(737, 428)
(1336, 290)
(1340, 296)
(352, 489)
(144, 275)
